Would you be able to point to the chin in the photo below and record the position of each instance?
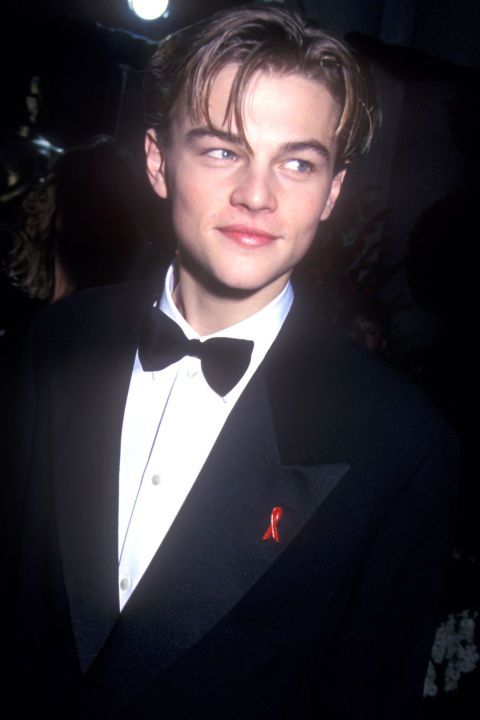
(233, 287)
(247, 279)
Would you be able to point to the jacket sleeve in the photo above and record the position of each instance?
(377, 661)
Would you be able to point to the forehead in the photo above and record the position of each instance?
(287, 103)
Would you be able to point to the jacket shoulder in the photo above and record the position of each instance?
(90, 314)
(343, 395)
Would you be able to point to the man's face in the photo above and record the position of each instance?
(244, 218)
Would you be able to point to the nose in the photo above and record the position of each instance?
(254, 190)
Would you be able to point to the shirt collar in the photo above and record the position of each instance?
(262, 327)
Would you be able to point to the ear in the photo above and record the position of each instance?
(333, 194)
(155, 159)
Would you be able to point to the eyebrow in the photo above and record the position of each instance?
(315, 145)
(199, 133)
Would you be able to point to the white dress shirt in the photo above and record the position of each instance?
(172, 420)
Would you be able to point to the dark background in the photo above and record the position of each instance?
(404, 230)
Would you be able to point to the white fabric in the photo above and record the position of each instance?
(172, 420)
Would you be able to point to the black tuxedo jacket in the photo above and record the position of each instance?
(334, 621)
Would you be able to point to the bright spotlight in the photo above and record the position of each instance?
(148, 9)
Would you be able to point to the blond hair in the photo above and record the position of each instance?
(265, 38)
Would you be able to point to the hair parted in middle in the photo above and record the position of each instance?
(266, 38)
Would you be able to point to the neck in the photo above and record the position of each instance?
(207, 311)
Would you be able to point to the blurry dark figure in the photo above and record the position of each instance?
(443, 276)
(81, 226)
(26, 156)
(442, 270)
(25, 153)
(368, 321)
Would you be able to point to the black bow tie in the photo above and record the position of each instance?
(223, 360)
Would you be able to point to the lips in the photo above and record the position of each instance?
(247, 236)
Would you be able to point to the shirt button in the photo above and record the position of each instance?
(192, 373)
(156, 479)
(124, 583)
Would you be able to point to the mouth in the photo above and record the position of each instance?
(247, 236)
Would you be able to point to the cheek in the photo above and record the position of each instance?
(193, 194)
(307, 215)
(309, 206)
(185, 199)
(192, 213)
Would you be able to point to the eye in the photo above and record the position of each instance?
(300, 166)
(221, 154)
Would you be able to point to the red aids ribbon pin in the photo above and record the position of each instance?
(272, 530)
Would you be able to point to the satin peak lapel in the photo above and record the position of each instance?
(214, 553)
(89, 385)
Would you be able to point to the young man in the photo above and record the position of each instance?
(229, 513)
